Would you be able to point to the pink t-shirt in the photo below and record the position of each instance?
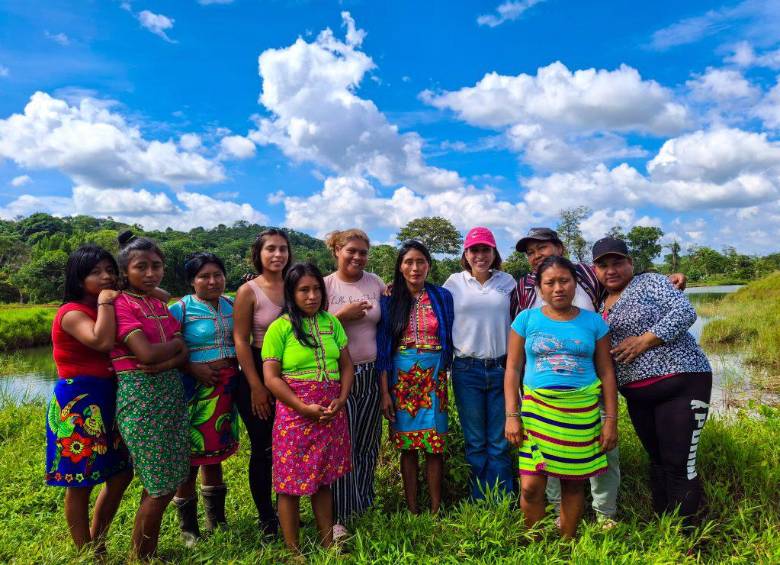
(360, 333)
(135, 312)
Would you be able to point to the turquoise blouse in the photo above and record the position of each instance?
(208, 332)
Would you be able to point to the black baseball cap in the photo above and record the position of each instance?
(538, 234)
(609, 246)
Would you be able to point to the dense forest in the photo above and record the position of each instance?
(33, 252)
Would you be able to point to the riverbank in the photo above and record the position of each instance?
(24, 325)
(739, 461)
(749, 320)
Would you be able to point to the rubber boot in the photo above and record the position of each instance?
(214, 502)
(188, 519)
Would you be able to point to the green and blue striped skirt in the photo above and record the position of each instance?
(561, 430)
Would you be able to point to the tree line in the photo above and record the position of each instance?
(33, 252)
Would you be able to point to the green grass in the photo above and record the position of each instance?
(749, 320)
(739, 460)
(25, 326)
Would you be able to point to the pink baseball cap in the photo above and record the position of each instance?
(479, 236)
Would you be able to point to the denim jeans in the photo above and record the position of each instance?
(479, 395)
(603, 488)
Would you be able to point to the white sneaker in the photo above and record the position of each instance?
(339, 532)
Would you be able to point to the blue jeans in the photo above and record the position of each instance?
(479, 394)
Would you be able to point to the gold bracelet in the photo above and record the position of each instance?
(513, 414)
(105, 303)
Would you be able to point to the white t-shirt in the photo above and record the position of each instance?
(481, 314)
(581, 300)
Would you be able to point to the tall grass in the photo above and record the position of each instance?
(25, 326)
(739, 460)
(749, 319)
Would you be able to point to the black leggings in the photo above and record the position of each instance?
(668, 417)
(259, 431)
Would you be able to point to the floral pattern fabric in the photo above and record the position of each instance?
(153, 419)
(213, 418)
(83, 446)
(418, 387)
(308, 454)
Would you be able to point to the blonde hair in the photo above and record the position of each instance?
(336, 239)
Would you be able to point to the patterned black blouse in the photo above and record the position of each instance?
(650, 302)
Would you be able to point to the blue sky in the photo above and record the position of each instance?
(324, 115)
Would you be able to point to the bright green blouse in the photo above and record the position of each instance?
(299, 361)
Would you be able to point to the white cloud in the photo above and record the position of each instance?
(309, 88)
(96, 146)
(599, 222)
(563, 120)
(715, 156)
(21, 180)
(721, 85)
(4, 71)
(757, 19)
(354, 202)
(743, 55)
(120, 202)
(190, 142)
(151, 210)
(557, 98)
(60, 38)
(768, 109)
(156, 23)
(236, 147)
(27, 204)
(507, 12)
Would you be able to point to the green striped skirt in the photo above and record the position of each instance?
(561, 430)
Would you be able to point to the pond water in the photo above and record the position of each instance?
(31, 373)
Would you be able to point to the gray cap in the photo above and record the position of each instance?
(538, 234)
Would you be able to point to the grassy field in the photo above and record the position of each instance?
(740, 465)
(25, 326)
(749, 320)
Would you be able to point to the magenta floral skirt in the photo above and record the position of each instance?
(307, 454)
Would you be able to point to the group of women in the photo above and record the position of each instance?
(311, 363)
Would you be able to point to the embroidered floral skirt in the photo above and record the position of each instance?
(213, 418)
(153, 420)
(307, 454)
(83, 446)
(418, 387)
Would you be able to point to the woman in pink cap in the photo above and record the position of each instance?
(481, 293)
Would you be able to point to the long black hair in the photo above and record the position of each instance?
(257, 248)
(555, 261)
(295, 274)
(401, 299)
(79, 266)
(129, 243)
(197, 261)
